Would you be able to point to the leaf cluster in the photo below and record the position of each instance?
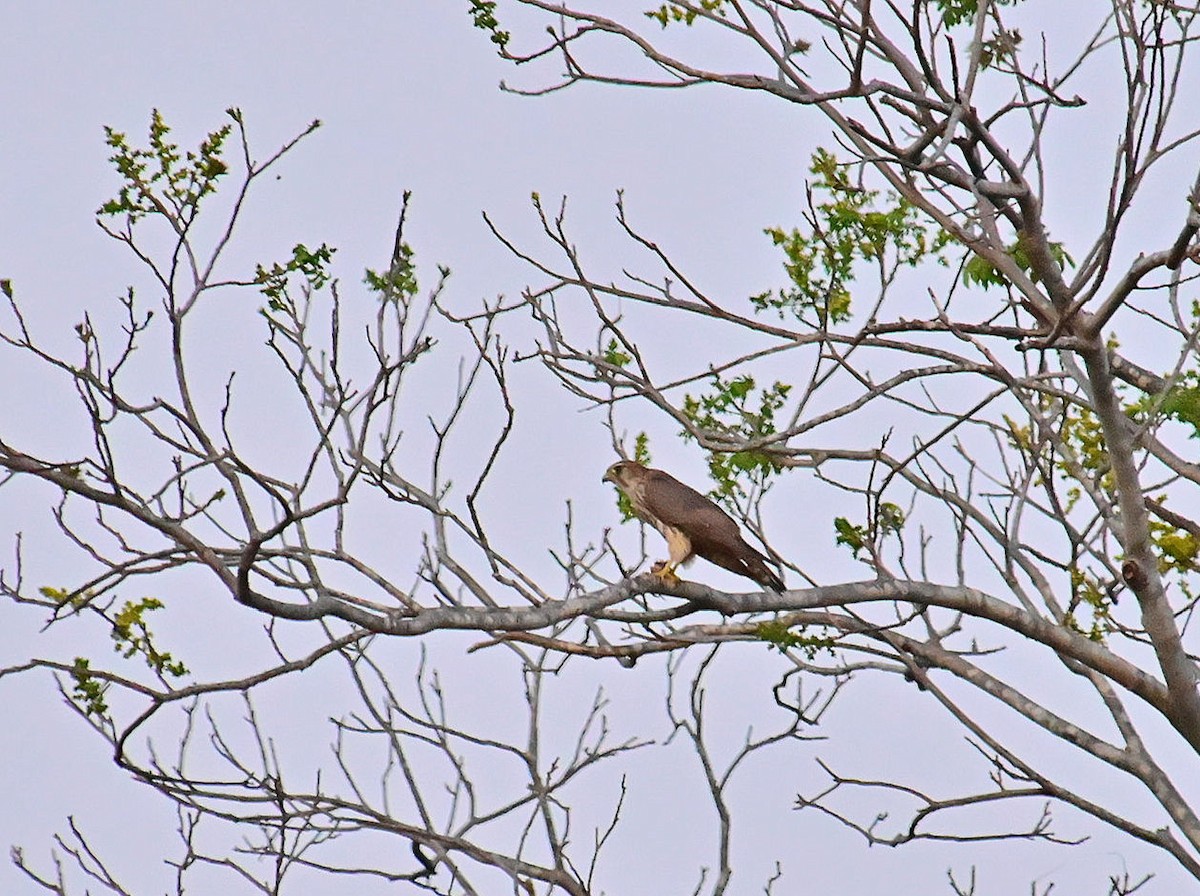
(1082, 435)
(87, 690)
(77, 600)
(132, 636)
(161, 179)
(978, 271)
(1182, 402)
(847, 225)
(669, 13)
(955, 12)
(399, 282)
(734, 409)
(483, 17)
(615, 355)
(783, 638)
(1178, 550)
(889, 520)
(1003, 44)
(1087, 591)
(1082, 431)
(311, 264)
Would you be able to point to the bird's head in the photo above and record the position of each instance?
(623, 472)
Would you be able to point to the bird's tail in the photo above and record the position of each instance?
(766, 576)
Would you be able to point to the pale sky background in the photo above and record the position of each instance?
(408, 96)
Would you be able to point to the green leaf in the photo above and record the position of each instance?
(850, 535)
(614, 355)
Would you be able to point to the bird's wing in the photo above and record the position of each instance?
(712, 532)
(682, 507)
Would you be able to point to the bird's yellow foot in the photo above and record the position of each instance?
(665, 571)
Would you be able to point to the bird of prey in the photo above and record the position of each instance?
(691, 523)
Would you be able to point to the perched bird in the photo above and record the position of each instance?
(691, 523)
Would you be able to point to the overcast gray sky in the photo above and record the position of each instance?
(407, 92)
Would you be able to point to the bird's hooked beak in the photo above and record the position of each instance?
(608, 476)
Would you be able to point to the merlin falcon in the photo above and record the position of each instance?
(691, 523)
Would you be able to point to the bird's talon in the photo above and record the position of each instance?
(663, 570)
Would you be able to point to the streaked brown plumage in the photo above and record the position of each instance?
(691, 523)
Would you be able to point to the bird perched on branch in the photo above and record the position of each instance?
(691, 523)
